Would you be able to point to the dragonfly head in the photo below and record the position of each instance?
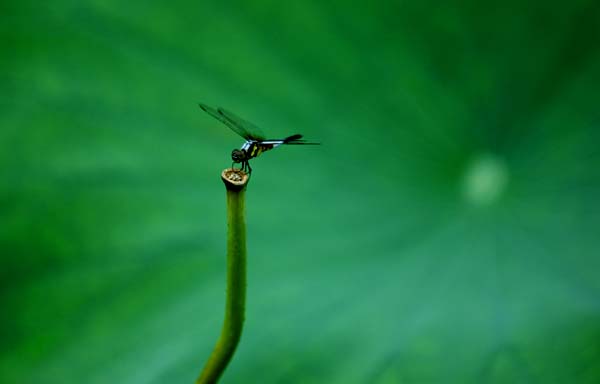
(237, 155)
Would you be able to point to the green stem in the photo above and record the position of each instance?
(235, 182)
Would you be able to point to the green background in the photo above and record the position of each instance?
(445, 231)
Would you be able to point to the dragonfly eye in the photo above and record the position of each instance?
(237, 155)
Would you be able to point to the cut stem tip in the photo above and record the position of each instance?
(235, 179)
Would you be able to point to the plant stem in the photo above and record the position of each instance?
(235, 182)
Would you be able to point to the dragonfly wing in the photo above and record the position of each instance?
(297, 139)
(234, 127)
(251, 130)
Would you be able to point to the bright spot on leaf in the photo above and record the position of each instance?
(485, 180)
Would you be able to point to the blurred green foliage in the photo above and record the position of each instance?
(445, 231)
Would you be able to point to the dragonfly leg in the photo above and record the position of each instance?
(249, 167)
(241, 168)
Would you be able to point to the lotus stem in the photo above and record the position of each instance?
(235, 301)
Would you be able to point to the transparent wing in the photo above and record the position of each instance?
(240, 130)
(297, 140)
(250, 130)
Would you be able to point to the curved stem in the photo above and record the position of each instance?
(235, 182)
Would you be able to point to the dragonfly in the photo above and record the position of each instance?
(255, 143)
